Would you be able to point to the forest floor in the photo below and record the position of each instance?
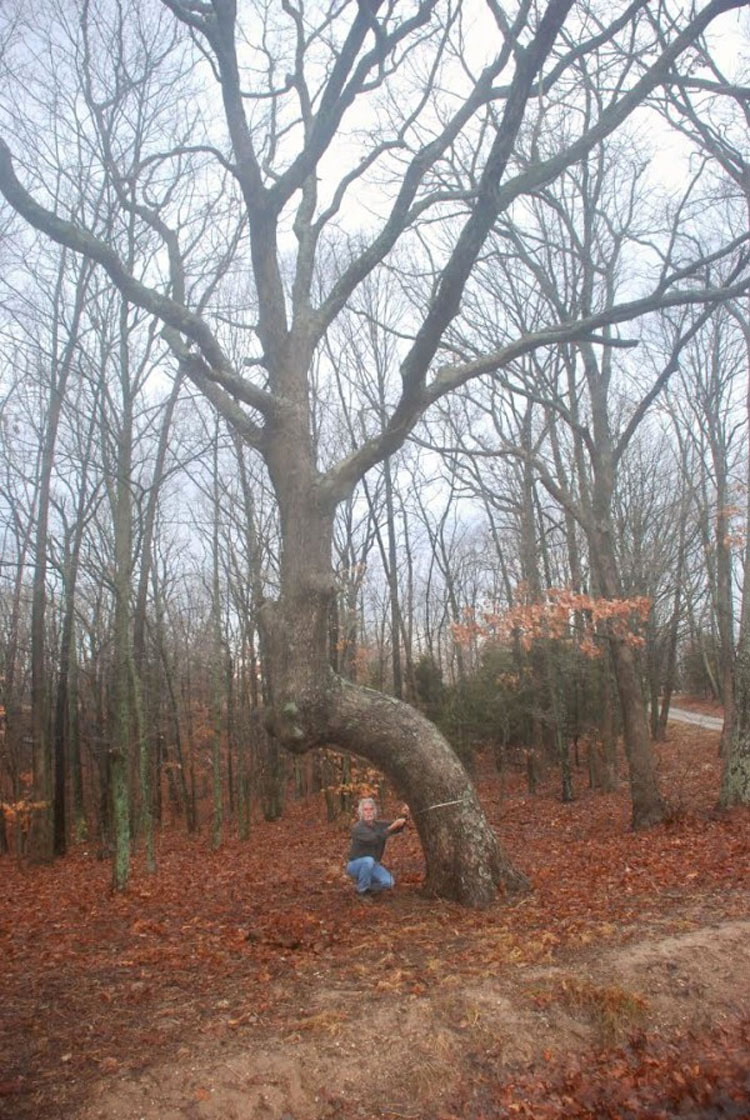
(251, 984)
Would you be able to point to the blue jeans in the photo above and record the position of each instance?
(370, 875)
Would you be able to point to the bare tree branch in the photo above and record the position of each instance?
(172, 313)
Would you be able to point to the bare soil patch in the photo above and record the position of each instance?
(368, 1049)
(250, 982)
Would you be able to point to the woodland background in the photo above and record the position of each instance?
(140, 534)
(531, 456)
(560, 543)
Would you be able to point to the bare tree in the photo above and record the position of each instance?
(711, 109)
(289, 120)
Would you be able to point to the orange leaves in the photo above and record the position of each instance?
(268, 937)
(11, 1086)
(689, 1076)
(21, 812)
(362, 780)
(145, 927)
(18, 818)
(562, 615)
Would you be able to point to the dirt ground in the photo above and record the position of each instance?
(251, 984)
(361, 1050)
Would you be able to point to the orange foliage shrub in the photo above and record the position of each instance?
(562, 615)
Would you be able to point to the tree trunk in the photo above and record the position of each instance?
(270, 765)
(62, 710)
(146, 768)
(311, 706)
(218, 658)
(735, 779)
(392, 574)
(608, 730)
(647, 804)
(49, 782)
(12, 682)
(121, 751)
(464, 860)
(673, 634)
(243, 787)
(648, 807)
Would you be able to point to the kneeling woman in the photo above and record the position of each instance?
(368, 844)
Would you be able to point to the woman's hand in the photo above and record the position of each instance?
(399, 823)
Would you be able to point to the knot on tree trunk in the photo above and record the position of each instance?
(283, 724)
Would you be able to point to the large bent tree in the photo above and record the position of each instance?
(317, 103)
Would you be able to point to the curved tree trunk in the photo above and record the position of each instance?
(464, 860)
(310, 706)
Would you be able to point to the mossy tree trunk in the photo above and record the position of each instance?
(735, 781)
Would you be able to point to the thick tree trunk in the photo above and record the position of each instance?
(310, 706)
(463, 857)
(465, 862)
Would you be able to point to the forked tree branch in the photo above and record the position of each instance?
(175, 315)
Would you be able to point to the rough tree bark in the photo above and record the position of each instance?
(735, 778)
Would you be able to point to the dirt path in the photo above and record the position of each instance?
(368, 1049)
(698, 719)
